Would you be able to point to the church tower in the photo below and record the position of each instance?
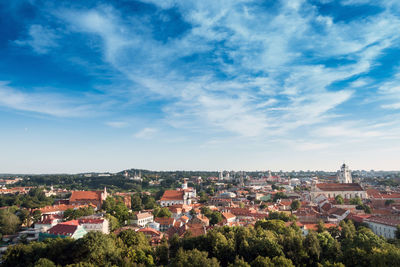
(344, 175)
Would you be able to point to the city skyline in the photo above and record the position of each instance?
(199, 85)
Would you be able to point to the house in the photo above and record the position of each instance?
(153, 235)
(184, 219)
(59, 209)
(154, 225)
(337, 214)
(66, 229)
(14, 190)
(48, 221)
(200, 219)
(165, 223)
(142, 219)
(228, 217)
(308, 214)
(284, 204)
(383, 226)
(88, 197)
(331, 190)
(193, 229)
(183, 195)
(95, 224)
(172, 197)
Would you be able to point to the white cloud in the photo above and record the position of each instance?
(310, 146)
(146, 133)
(41, 39)
(117, 124)
(49, 104)
(287, 93)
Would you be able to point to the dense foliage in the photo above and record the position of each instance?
(35, 198)
(268, 243)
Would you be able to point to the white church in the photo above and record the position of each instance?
(344, 175)
(345, 187)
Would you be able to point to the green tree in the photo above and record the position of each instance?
(193, 258)
(311, 244)
(9, 222)
(96, 248)
(279, 195)
(262, 262)
(36, 216)
(295, 205)
(281, 261)
(162, 212)
(162, 253)
(330, 247)
(239, 262)
(389, 202)
(356, 201)
(113, 222)
(320, 226)
(398, 231)
(339, 199)
(215, 217)
(43, 262)
(134, 239)
(137, 203)
(24, 217)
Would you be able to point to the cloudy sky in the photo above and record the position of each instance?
(165, 85)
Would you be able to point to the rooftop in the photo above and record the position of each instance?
(383, 220)
(339, 187)
(85, 195)
(172, 195)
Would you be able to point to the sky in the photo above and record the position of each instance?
(199, 85)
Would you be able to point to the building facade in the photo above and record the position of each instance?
(344, 175)
(331, 190)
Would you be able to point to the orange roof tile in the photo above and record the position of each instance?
(172, 195)
(165, 221)
(339, 187)
(228, 215)
(85, 195)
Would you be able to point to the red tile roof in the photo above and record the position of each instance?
(228, 215)
(339, 187)
(184, 217)
(61, 207)
(150, 231)
(63, 229)
(172, 195)
(382, 220)
(91, 221)
(314, 226)
(85, 195)
(143, 215)
(165, 221)
(337, 211)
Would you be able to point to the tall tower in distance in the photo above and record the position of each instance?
(344, 175)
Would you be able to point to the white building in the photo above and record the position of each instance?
(93, 224)
(172, 197)
(154, 225)
(184, 195)
(331, 190)
(142, 219)
(344, 175)
(47, 222)
(384, 227)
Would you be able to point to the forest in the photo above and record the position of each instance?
(267, 243)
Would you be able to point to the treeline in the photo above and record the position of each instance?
(79, 182)
(268, 243)
(35, 198)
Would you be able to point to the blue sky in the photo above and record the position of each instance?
(165, 85)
